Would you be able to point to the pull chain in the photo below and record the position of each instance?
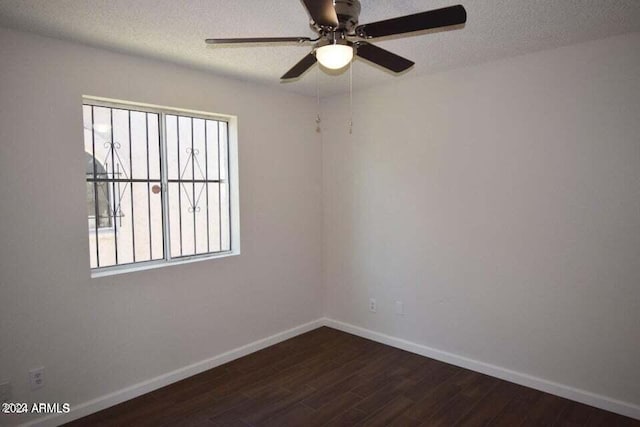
(318, 119)
(351, 97)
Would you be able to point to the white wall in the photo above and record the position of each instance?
(95, 336)
(501, 203)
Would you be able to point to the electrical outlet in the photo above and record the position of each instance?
(36, 378)
(5, 392)
(399, 308)
(372, 305)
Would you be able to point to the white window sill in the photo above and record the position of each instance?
(149, 265)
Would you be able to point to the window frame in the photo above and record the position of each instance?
(232, 177)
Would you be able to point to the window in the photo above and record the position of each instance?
(158, 185)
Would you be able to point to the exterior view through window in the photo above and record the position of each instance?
(157, 185)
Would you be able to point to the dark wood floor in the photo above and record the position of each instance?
(327, 377)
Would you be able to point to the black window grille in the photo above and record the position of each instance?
(157, 185)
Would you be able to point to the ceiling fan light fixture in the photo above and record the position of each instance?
(341, 36)
(334, 56)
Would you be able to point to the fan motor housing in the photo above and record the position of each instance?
(348, 12)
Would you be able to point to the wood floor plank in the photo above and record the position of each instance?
(330, 378)
(463, 402)
(252, 406)
(334, 408)
(386, 370)
(514, 413)
(229, 423)
(545, 411)
(439, 373)
(325, 395)
(491, 405)
(437, 397)
(385, 394)
(404, 421)
(576, 415)
(218, 407)
(296, 415)
(389, 412)
(258, 416)
(350, 418)
(315, 418)
(609, 419)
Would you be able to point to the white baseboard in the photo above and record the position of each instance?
(578, 395)
(103, 402)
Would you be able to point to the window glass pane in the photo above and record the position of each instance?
(154, 145)
(156, 230)
(140, 155)
(225, 239)
(175, 220)
(225, 221)
(123, 223)
(172, 146)
(214, 217)
(212, 149)
(116, 151)
(127, 193)
(184, 147)
(188, 212)
(224, 160)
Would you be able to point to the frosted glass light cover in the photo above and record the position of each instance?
(334, 56)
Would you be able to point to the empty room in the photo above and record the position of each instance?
(319, 213)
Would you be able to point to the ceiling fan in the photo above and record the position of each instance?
(340, 36)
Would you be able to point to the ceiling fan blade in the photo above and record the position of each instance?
(259, 40)
(444, 17)
(322, 12)
(383, 57)
(302, 66)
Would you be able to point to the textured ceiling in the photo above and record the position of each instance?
(174, 30)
